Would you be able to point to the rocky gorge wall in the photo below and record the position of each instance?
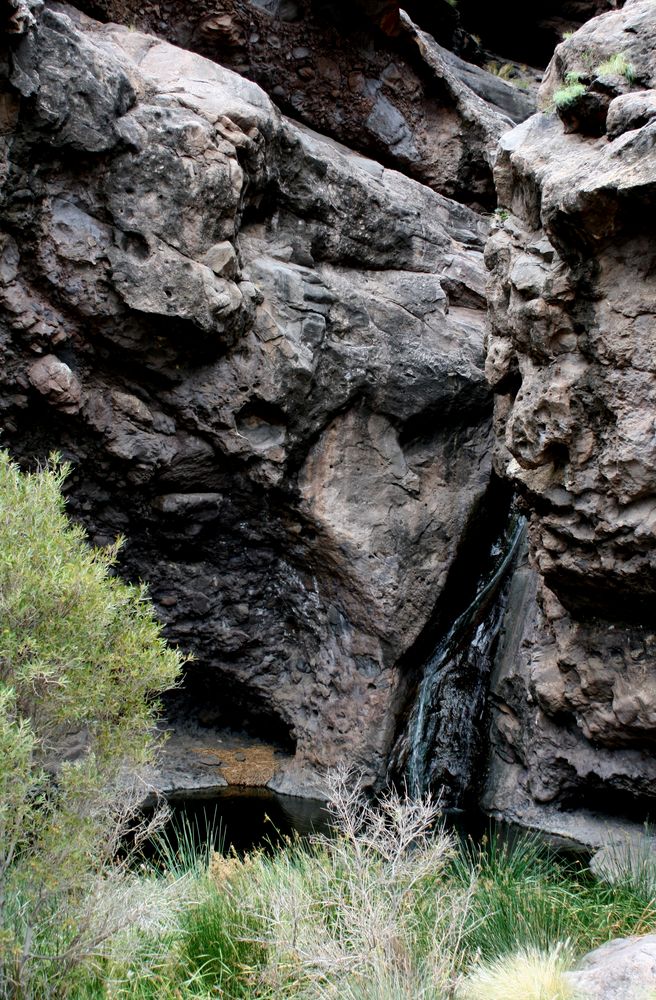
(264, 354)
(572, 358)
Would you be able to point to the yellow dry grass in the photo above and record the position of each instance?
(248, 766)
(526, 975)
(224, 867)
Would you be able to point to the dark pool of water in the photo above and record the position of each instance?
(242, 819)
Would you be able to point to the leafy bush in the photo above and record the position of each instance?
(81, 657)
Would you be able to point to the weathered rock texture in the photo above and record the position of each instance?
(572, 358)
(359, 73)
(620, 970)
(263, 355)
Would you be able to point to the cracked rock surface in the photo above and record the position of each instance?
(362, 73)
(572, 359)
(263, 355)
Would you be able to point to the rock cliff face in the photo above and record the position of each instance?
(361, 73)
(572, 358)
(263, 355)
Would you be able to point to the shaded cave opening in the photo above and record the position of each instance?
(226, 743)
(615, 803)
(209, 700)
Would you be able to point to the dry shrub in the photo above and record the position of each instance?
(365, 913)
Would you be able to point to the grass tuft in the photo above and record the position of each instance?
(526, 975)
(617, 65)
(564, 97)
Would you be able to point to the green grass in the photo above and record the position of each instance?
(393, 907)
(219, 950)
(617, 65)
(525, 897)
(565, 96)
(574, 87)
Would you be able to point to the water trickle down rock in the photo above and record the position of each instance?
(439, 748)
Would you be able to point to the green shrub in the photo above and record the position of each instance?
(616, 65)
(565, 96)
(81, 658)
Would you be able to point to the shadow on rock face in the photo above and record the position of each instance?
(227, 323)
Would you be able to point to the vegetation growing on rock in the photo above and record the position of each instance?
(392, 906)
(572, 90)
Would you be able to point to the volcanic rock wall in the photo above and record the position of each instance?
(263, 355)
(359, 72)
(572, 357)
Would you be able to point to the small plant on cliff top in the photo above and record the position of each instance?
(81, 656)
(617, 65)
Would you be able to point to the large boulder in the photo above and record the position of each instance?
(263, 355)
(624, 969)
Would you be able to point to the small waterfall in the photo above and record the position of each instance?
(438, 749)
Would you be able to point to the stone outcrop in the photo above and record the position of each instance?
(624, 969)
(263, 355)
(572, 295)
(362, 74)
